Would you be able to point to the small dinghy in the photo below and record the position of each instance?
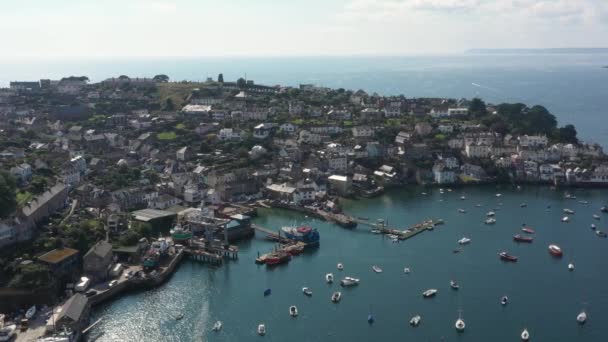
(523, 205)
(340, 267)
(596, 216)
(336, 296)
(491, 220)
(406, 270)
(267, 292)
(525, 335)
(261, 330)
(429, 293)
(459, 325)
(582, 317)
(570, 267)
(593, 226)
(491, 213)
(376, 269)
(504, 300)
(415, 321)
(601, 233)
(329, 278)
(293, 311)
(565, 219)
(462, 211)
(464, 241)
(217, 326)
(454, 285)
(349, 281)
(307, 291)
(370, 318)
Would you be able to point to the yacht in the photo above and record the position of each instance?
(569, 211)
(376, 269)
(565, 219)
(336, 296)
(555, 251)
(498, 195)
(582, 317)
(601, 234)
(307, 291)
(329, 278)
(525, 335)
(491, 220)
(570, 267)
(217, 326)
(459, 325)
(429, 293)
(340, 267)
(406, 270)
(8, 332)
(414, 321)
(491, 213)
(261, 329)
(464, 241)
(293, 311)
(596, 216)
(349, 281)
(462, 211)
(504, 300)
(454, 285)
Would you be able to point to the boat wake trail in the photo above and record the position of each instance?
(485, 87)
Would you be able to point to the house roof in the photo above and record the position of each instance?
(100, 249)
(57, 255)
(75, 307)
(146, 215)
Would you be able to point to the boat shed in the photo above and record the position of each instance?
(160, 220)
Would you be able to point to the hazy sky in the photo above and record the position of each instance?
(293, 27)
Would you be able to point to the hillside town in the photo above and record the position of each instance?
(93, 173)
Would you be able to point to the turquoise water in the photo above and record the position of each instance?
(572, 86)
(544, 296)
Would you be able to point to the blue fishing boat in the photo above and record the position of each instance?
(304, 234)
(267, 292)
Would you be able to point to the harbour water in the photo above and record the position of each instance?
(544, 296)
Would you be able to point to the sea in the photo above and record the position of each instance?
(544, 296)
(572, 86)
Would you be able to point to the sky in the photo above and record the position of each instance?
(197, 28)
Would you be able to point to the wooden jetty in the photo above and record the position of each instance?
(272, 236)
(206, 257)
(403, 234)
(339, 219)
(211, 253)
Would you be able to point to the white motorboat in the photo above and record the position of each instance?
(569, 211)
(462, 198)
(596, 216)
(491, 220)
(462, 211)
(376, 231)
(459, 325)
(261, 329)
(30, 312)
(504, 300)
(429, 293)
(217, 326)
(293, 311)
(523, 205)
(8, 332)
(454, 285)
(329, 278)
(336, 296)
(582, 317)
(498, 195)
(593, 226)
(340, 267)
(464, 241)
(406, 270)
(478, 205)
(571, 267)
(565, 219)
(307, 291)
(491, 213)
(376, 269)
(349, 281)
(525, 335)
(414, 321)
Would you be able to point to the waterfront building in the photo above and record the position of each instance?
(98, 260)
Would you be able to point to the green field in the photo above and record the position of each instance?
(166, 136)
(23, 198)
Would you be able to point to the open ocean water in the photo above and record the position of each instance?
(572, 86)
(544, 296)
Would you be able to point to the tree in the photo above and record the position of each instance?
(162, 78)
(220, 78)
(169, 104)
(241, 83)
(477, 107)
(124, 77)
(38, 184)
(567, 135)
(8, 193)
(31, 276)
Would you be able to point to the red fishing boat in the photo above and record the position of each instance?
(555, 251)
(278, 258)
(507, 257)
(520, 238)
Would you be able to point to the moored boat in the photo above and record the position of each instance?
(415, 321)
(454, 285)
(604, 209)
(507, 257)
(376, 269)
(406, 270)
(464, 241)
(527, 229)
(523, 205)
(571, 267)
(601, 233)
(340, 267)
(525, 335)
(555, 250)
(491, 220)
(504, 300)
(329, 278)
(307, 291)
(581, 318)
(8, 332)
(349, 281)
(261, 329)
(565, 219)
(491, 213)
(336, 296)
(520, 238)
(278, 258)
(569, 211)
(30, 312)
(593, 226)
(267, 292)
(429, 293)
(459, 325)
(462, 211)
(217, 326)
(596, 216)
(304, 234)
(293, 311)
(370, 318)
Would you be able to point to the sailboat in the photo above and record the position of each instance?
(525, 335)
(581, 318)
(459, 325)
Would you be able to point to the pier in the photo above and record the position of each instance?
(403, 234)
(339, 219)
(210, 252)
(271, 235)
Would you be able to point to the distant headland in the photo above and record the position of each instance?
(539, 51)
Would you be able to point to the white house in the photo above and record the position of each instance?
(229, 134)
(337, 162)
(362, 132)
(306, 137)
(442, 174)
(288, 127)
(458, 111)
(446, 129)
(533, 140)
(164, 201)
